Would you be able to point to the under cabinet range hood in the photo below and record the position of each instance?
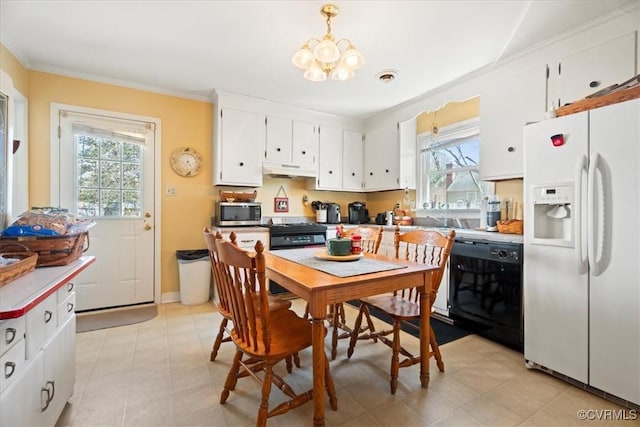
(288, 169)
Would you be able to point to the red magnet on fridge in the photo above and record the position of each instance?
(557, 140)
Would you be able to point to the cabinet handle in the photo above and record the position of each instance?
(9, 369)
(47, 316)
(511, 149)
(53, 389)
(278, 150)
(330, 172)
(386, 170)
(9, 335)
(47, 400)
(371, 173)
(70, 286)
(69, 307)
(304, 152)
(594, 83)
(353, 174)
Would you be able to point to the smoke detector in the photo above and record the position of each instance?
(387, 76)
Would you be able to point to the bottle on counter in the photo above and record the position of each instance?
(356, 244)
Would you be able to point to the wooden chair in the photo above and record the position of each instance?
(371, 238)
(265, 337)
(429, 247)
(223, 306)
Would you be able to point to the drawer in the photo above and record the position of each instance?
(11, 331)
(41, 324)
(66, 308)
(12, 364)
(66, 289)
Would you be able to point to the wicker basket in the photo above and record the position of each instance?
(234, 196)
(11, 272)
(51, 250)
(511, 226)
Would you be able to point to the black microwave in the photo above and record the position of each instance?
(238, 213)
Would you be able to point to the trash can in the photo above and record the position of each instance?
(194, 269)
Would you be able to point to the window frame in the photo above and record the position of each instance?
(448, 136)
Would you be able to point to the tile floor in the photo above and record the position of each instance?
(158, 373)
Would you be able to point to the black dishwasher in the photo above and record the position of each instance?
(485, 289)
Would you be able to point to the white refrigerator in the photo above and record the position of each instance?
(582, 247)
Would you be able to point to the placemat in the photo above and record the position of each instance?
(336, 268)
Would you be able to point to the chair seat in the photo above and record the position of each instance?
(296, 338)
(394, 306)
(275, 303)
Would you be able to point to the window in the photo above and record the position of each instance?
(449, 176)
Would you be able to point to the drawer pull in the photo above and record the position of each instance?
(70, 286)
(50, 390)
(47, 316)
(9, 335)
(9, 369)
(69, 307)
(44, 399)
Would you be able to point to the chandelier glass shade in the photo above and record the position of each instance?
(327, 58)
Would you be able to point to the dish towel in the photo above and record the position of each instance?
(363, 265)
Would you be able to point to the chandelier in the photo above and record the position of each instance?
(326, 59)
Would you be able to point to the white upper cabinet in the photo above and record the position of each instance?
(279, 137)
(239, 150)
(381, 158)
(304, 146)
(407, 133)
(510, 97)
(583, 73)
(352, 168)
(291, 142)
(330, 161)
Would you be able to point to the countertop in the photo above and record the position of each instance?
(460, 232)
(24, 293)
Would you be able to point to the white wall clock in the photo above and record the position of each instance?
(186, 162)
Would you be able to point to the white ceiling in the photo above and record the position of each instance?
(188, 48)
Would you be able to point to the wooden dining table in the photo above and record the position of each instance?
(320, 289)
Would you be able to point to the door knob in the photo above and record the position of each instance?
(147, 215)
(147, 227)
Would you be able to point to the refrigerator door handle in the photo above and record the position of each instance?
(595, 219)
(578, 233)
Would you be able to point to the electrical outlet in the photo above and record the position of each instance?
(171, 191)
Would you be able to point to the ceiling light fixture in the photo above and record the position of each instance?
(326, 59)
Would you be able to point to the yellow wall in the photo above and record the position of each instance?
(451, 112)
(10, 65)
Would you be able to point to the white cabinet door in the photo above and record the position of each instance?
(590, 70)
(279, 135)
(407, 133)
(330, 161)
(22, 402)
(59, 370)
(242, 142)
(512, 96)
(441, 304)
(304, 150)
(352, 169)
(381, 159)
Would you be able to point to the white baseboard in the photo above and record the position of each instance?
(170, 297)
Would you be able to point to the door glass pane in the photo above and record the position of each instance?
(109, 176)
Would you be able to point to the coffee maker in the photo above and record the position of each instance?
(358, 214)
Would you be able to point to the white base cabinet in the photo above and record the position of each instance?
(37, 354)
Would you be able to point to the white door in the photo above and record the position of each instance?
(614, 303)
(106, 173)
